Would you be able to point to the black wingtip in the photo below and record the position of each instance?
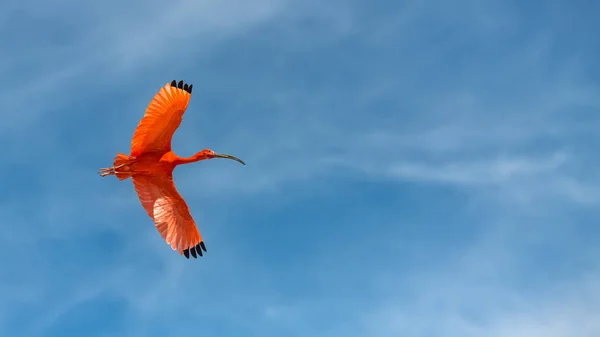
(181, 85)
(195, 251)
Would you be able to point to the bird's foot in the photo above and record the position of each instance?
(110, 170)
(107, 171)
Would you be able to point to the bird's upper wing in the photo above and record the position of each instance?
(163, 116)
(170, 213)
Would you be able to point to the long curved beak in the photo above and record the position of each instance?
(217, 155)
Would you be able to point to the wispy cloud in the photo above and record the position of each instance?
(103, 45)
(494, 172)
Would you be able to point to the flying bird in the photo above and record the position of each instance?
(150, 166)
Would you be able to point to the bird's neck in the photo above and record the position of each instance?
(176, 160)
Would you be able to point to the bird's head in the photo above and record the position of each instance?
(210, 154)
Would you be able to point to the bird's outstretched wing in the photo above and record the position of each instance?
(163, 116)
(170, 213)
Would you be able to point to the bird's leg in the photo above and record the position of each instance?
(106, 171)
(109, 170)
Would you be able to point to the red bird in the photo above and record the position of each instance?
(150, 166)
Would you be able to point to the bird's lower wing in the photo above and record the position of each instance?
(170, 213)
(163, 116)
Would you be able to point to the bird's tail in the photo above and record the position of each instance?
(120, 164)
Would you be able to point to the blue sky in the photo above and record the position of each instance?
(414, 168)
